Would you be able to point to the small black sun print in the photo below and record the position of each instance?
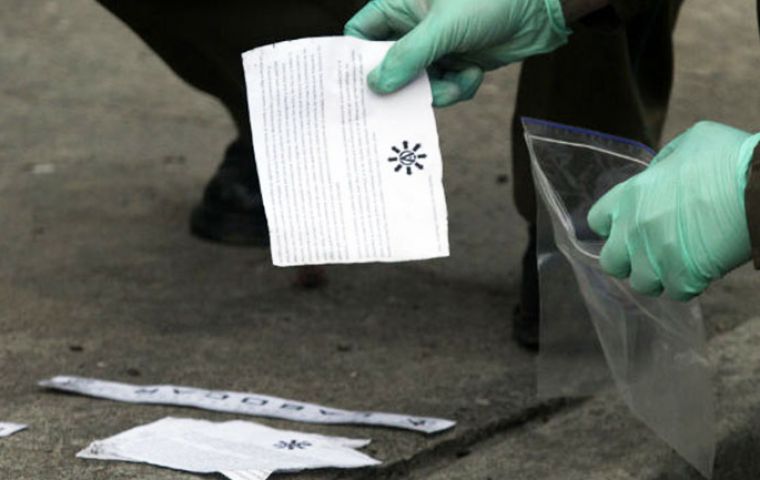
(408, 157)
(292, 445)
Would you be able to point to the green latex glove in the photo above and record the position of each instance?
(463, 38)
(681, 223)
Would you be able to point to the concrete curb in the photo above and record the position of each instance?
(600, 439)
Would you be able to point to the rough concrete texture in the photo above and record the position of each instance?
(600, 440)
(103, 152)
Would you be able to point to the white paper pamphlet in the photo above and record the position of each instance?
(347, 176)
(7, 429)
(238, 450)
(241, 403)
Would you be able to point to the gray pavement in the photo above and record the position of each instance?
(600, 440)
(99, 277)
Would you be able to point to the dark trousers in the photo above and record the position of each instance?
(612, 76)
(202, 40)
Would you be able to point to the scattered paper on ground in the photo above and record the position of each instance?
(347, 176)
(241, 403)
(8, 429)
(239, 450)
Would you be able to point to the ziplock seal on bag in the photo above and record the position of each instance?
(595, 328)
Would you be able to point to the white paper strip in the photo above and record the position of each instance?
(347, 175)
(8, 429)
(239, 450)
(241, 403)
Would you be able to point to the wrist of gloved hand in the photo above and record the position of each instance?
(752, 204)
(739, 256)
(542, 31)
(750, 196)
(746, 153)
(712, 163)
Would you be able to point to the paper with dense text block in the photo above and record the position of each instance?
(347, 176)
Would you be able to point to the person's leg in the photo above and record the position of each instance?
(612, 76)
(202, 42)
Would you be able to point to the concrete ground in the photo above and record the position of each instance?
(103, 152)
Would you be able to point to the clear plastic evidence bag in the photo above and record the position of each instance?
(594, 328)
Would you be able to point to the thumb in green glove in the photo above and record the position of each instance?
(681, 223)
(463, 38)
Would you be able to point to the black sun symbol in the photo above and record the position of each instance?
(408, 157)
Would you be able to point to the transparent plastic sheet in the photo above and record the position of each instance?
(594, 328)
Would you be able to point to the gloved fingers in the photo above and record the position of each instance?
(369, 23)
(680, 282)
(644, 277)
(600, 216)
(455, 86)
(407, 58)
(615, 258)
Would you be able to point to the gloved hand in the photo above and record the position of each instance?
(466, 36)
(681, 223)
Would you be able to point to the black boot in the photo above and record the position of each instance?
(232, 210)
(525, 322)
